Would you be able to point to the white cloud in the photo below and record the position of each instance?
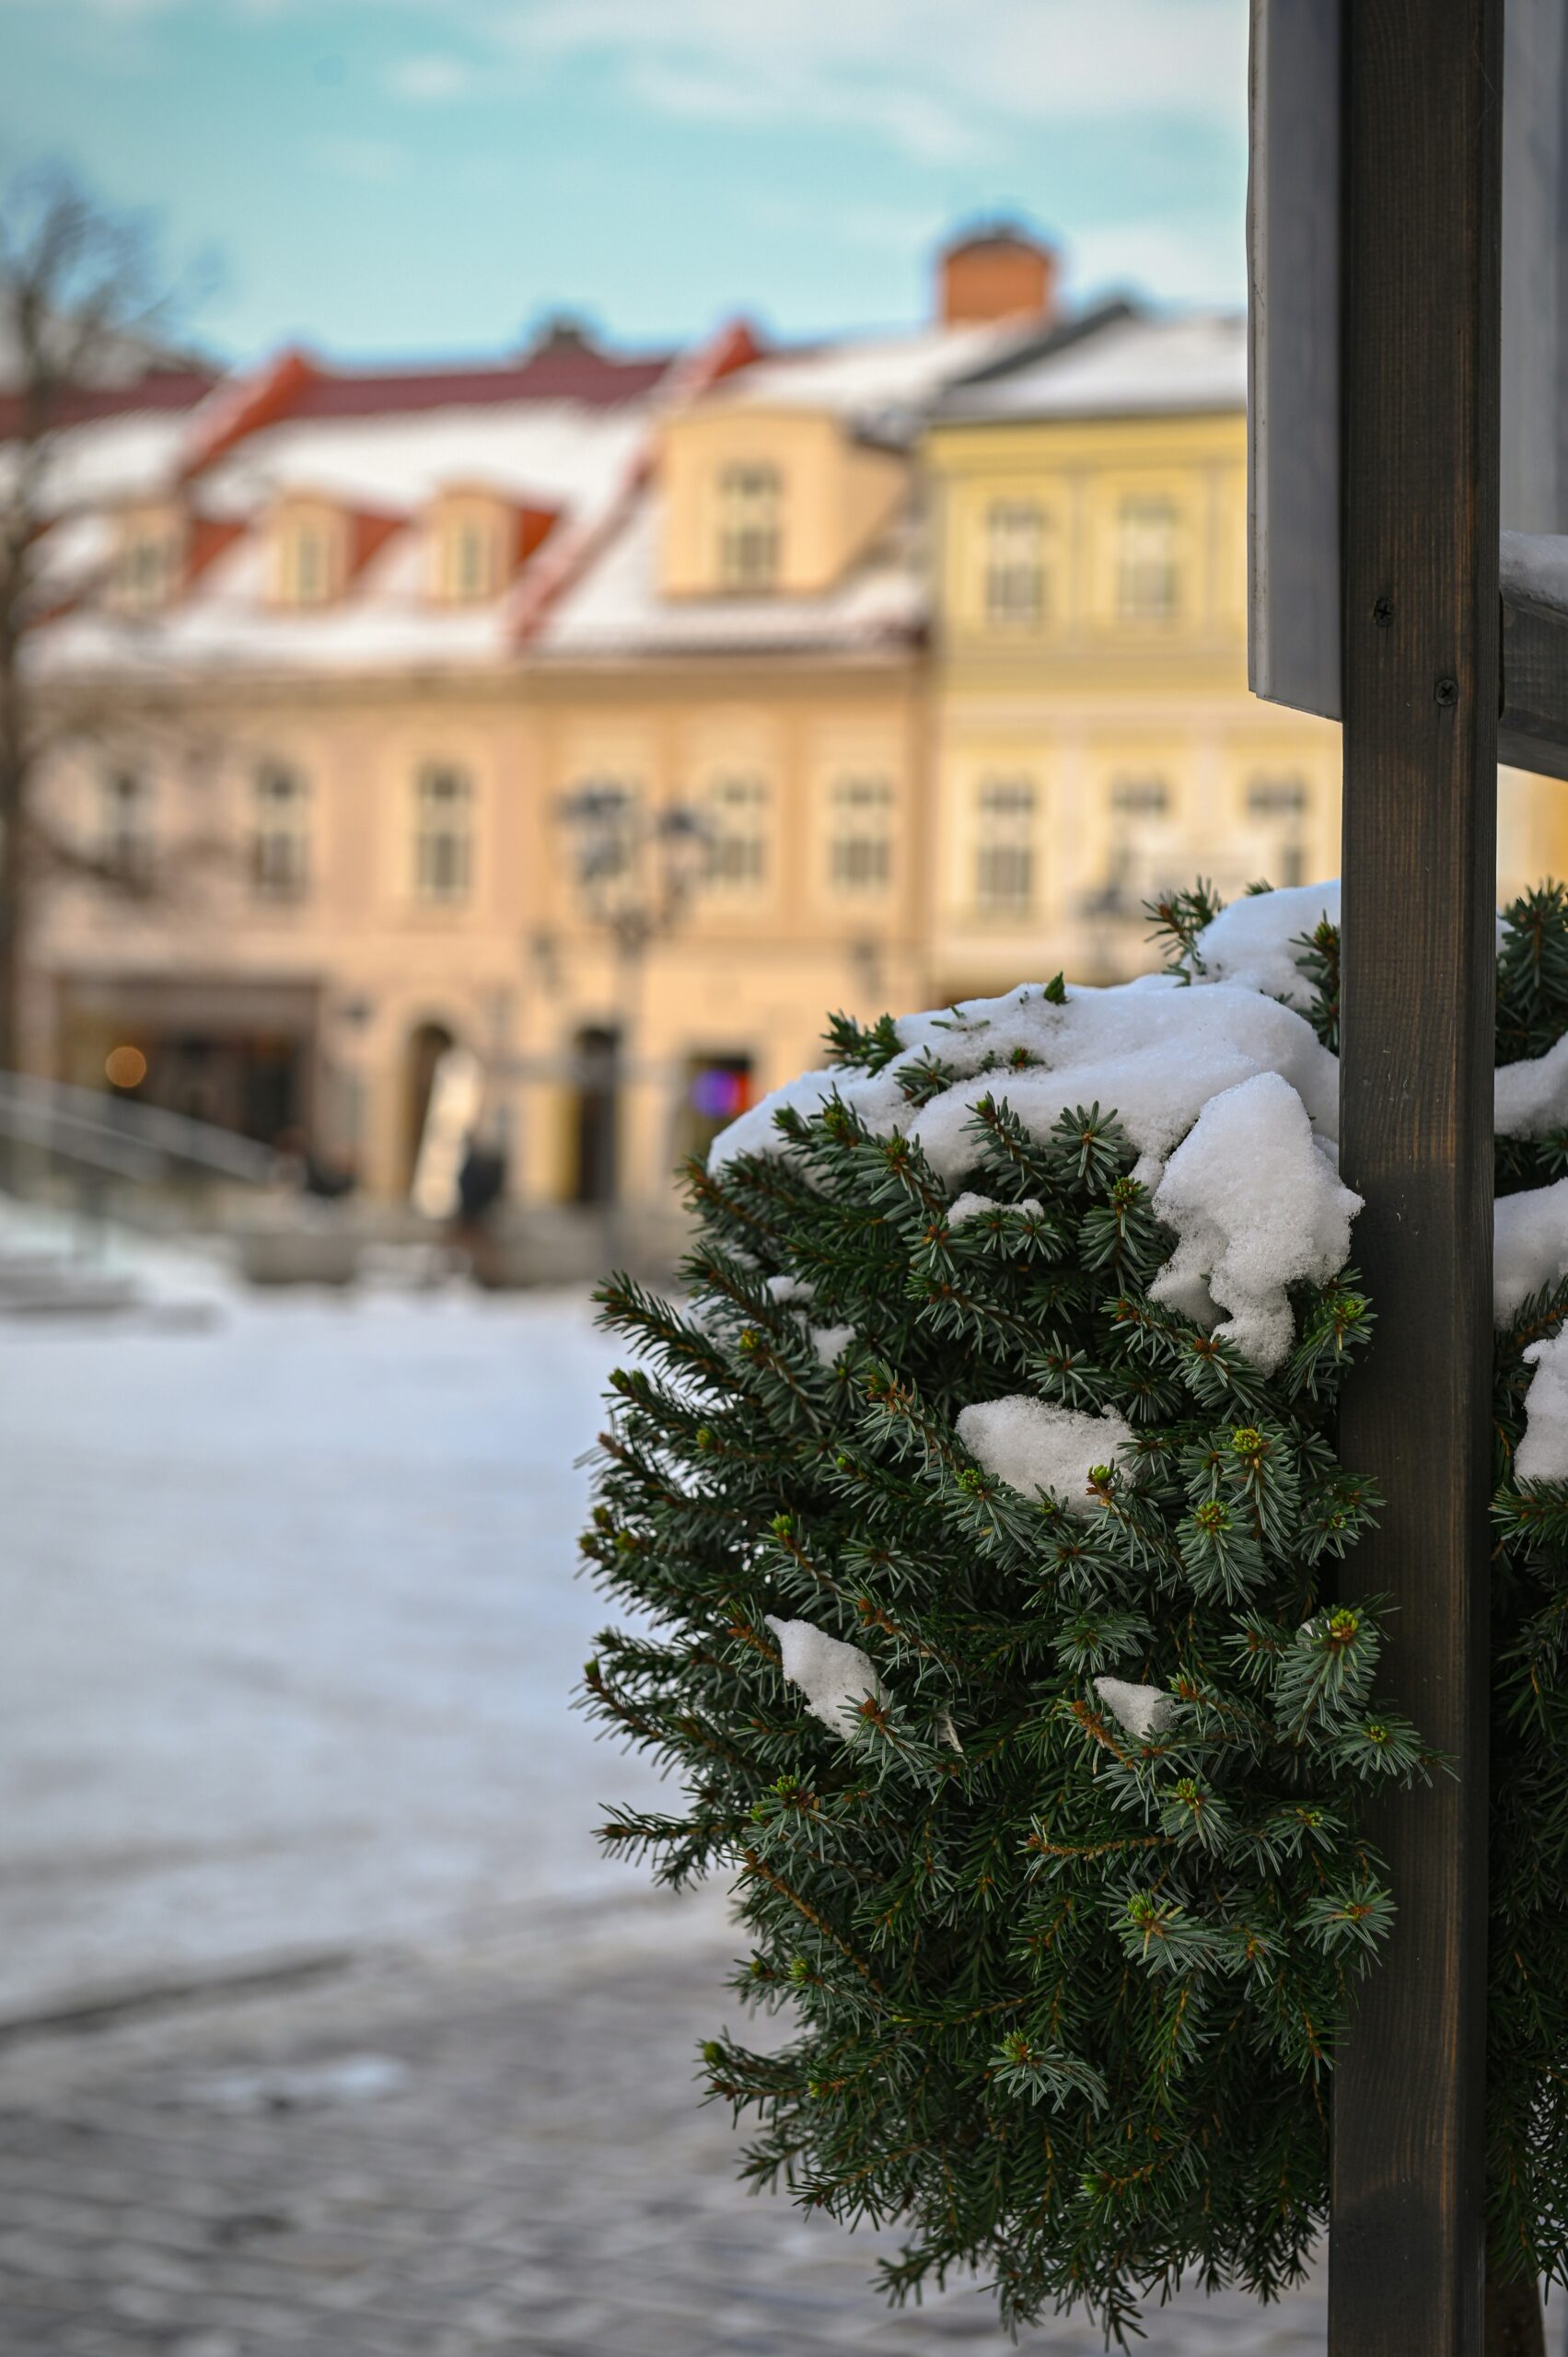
(932, 77)
(429, 78)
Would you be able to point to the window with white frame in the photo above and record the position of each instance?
(280, 836)
(146, 563)
(860, 833)
(737, 806)
(126, 843)
(750, 506)
(1006, 860)
(1016, 587)
(469, 538)
(1149, 584)
(1140, 810)
(306, 561)
(1280, 805)
(442, 842)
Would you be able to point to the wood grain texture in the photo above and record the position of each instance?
(1419, 472)
(1532, 730)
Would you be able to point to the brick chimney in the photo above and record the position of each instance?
(995, 273)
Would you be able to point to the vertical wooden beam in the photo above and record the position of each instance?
(1421, 210)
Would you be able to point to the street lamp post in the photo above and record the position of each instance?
(636, 870)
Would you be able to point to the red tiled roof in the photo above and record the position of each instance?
(573, 374)
(159, 389)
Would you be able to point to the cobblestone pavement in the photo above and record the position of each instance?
(492, 2149)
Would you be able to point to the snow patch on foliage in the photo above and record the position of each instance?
(1036, 1447)
(1542, 1455)
(1257, 1205)
(1530, 1248)
(831, 1342)
(1249, 942)
(968, 1207)
(1149, 1050)
(1153, 1057)
(1531, 1096)
(1144, 1711)
(835, 1678)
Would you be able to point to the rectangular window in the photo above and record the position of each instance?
(738, 833)
(125, 825)
(1014, 565)
(750, 501)
(443, 833)
(469, 572)
(1005, 847)
(145, 567)
(1280, 803)
(280, 846)
(1148, 579)
(1140, 797)
(860, 839)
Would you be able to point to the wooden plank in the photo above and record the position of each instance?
(1293, 370)
(1535, 268)
(1419, 372)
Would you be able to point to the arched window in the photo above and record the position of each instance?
(751, 504)
(1148, 587)
(737, 833)
(443, 843)
(280, 841)
(1006, 880)
(860, 833)
(1014, 565)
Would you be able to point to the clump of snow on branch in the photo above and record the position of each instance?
(1531, 1096)
(1154, 1055)
(1250, 942)
(1150, 1050)
(1035, 1447)
(1542, 1455)
(831, 1342)
(968, 1207)
(835, 1678)
(1530, 1248)
(1144, 1711)
(1257, 1206)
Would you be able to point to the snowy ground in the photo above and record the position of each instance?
(291, 1626)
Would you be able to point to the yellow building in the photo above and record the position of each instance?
(614, 718)
(748, 644)
(1095, 740)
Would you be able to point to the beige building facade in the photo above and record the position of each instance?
(615, 719)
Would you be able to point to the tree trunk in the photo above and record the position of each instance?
(1514, 2323)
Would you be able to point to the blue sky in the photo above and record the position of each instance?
(386, 175)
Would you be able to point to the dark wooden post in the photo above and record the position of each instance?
(1420, 311)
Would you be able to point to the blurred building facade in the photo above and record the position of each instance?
(935, 642)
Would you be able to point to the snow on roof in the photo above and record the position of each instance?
(113, 459)
(548, 453)
(616, 606)
(866, 376)
(1131, 366)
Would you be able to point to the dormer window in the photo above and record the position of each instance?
(469, 540)
(309, 557)
(146, 571)
(750, 504)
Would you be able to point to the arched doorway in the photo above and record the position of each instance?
(428, 1043)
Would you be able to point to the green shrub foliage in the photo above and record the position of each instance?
(1064, 1999)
